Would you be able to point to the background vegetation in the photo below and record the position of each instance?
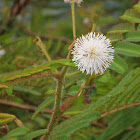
(109, 106)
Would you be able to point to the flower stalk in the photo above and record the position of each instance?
(73, 20)
(93, 27)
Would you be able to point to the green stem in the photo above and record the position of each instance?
(73, 20)
(43, 49)
(93, 27)
(64, 70)
(57, 104)
(88, 82)
(56, 113)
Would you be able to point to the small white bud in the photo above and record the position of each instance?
(76, 1)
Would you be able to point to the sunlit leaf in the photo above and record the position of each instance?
(131, 16)
(121, 28)
(137, 7)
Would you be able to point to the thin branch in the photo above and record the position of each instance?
(99, 124)
(65, 106)
(43, 37)
(119, 109)
(16, 9)
(27, 107)
(32, 76)
(135, 2)
(18, 6)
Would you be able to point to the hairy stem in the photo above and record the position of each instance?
(56, 112)
(65, 106)
(119, 109)
(57, 105)
(55, 75)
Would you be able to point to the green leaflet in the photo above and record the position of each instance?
(92, 113)
(61, 62)
(9, 90)
(5, 115)
(26, 90)
(121, 28)
(3, 86)
(105, 78)
(133, 36)
(16, 132)
(118, 64)
(114, 37)
(127, 48)
(11, 43)
(43, 105)
(131, 16)
(62, 137)
(5, 120)
(135, 136)
(5, 36)
(69, 126)
(120, 122)
(128, 79)
(130, 88)
(132, 75)
(47, 66)
(35, 134)
(73, 90)
(137, 7)
(13, 138)
(100, 102)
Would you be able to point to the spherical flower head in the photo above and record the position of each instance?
(93, 53)
(76, 1)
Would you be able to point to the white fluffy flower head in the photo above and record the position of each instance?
(93, 53)
(76, 1)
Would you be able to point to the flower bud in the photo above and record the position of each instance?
(95, 18)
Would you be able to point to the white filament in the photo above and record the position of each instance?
(93, 53)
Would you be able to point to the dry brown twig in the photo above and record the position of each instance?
(43, 37)
(27, 107)
(33, 108)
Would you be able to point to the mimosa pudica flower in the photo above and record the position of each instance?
(93, 53)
